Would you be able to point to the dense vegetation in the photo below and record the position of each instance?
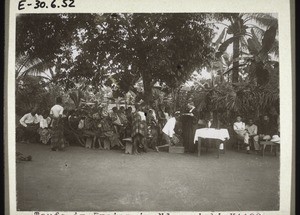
(149, 56)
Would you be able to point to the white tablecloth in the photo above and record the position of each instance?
(220, 134)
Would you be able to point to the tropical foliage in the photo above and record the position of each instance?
(149, 57)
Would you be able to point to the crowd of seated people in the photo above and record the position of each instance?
(98, 127)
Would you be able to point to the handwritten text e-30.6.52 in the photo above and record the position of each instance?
(36, 4)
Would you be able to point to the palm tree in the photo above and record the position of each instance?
(243, 27)
(27, 66)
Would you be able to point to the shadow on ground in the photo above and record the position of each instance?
(96, 180)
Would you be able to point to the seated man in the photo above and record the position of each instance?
(266, 129)
(252, 131)
(241, 132)
(29, 126)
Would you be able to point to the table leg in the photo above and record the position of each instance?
(219, 143)
(264, 147)
(199, 146)
(207, 144)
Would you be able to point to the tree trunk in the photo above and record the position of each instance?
(148, 97)
(236, 55)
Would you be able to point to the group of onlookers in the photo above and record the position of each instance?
(37, 124)
(103, 127)
(145, 127)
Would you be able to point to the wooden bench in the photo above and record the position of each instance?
(176, 149)
(264, 144)
(106, 144)
(128, 145)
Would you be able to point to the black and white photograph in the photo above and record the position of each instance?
(135, 111)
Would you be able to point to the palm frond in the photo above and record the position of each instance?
(220, 38)
(263, 19)
(37, 69)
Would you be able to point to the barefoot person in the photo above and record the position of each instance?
(172, 132)
(57, 137)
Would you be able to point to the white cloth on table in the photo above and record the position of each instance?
(212, 133)
(169, 127)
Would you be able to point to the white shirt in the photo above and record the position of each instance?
(28, 119)
(239, 126)
(142, 114)
(167, 116)
(56, 111)
(44, 123)
(252, 129)
(169, 127)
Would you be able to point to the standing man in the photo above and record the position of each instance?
(239, 128)
(252, 131)
(189, 123)
(56, 114)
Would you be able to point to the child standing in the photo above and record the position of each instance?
(44, 129)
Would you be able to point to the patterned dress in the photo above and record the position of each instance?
(57, 134)
(107, 129)
(44, 131)
(139, 126)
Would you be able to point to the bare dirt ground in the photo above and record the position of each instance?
(96, 180)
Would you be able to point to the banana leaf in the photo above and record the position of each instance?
(268, 39)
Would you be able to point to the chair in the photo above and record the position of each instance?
(240, 144)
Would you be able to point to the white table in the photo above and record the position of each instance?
(211, 133)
